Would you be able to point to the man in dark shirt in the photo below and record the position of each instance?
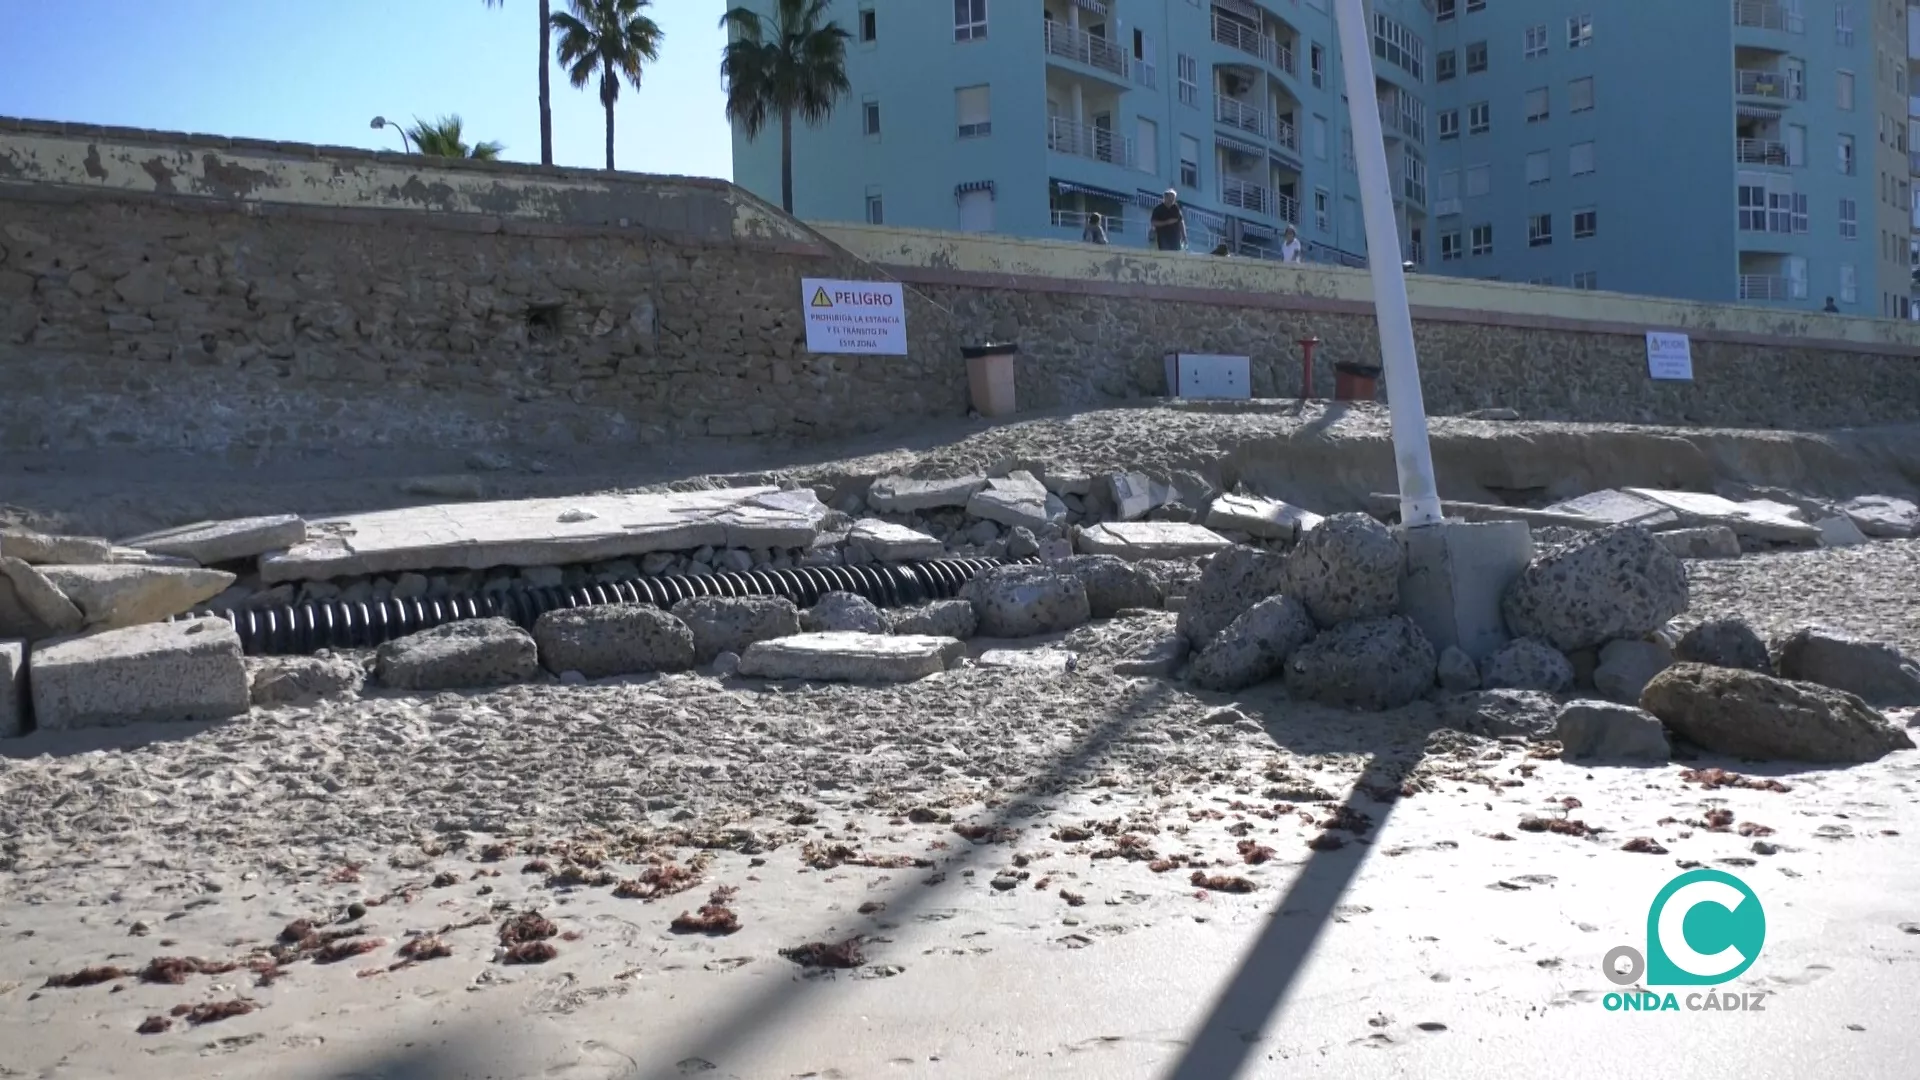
(1169, 224)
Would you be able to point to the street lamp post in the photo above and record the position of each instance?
(380, 122)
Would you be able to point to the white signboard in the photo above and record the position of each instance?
(854, 316)
(1669, 356)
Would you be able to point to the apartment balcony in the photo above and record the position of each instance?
(1239, 114)
(1765, 287)
(1243, 195)
(1086, 50)
(1236, 35)
(1076, 220)
(1770, 85)
(1761, 152)
(1768, 15)
(1389, 120)
(1084, 140)
(1448, 207)
(1413, 190)
(1286, 135)
(1287, 207)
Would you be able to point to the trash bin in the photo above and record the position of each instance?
(990, 377)
(1355, 382)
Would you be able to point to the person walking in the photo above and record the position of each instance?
(1290, 246)
(1096, 230)
(1169, 225)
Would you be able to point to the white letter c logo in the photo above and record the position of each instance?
(1673, 936)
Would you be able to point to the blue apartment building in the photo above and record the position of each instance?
(1714, 150)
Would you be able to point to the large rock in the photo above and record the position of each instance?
(1747, 714)
(731, 623)
(1613, 583)
(1608, 731)
(1724, 643)
(210, 542)
(469, 654)
(1374, 664)
(942, 618)
(1879, 516)
(1016, 499)
(1268, 519)
(900, 495)
(13, 689)
(1878, 674)
(883, 541)
(846, 613)
(1702, 542)
(1023, 600)
(1348, 567)
(1500, 713)
(1456, 671)
(1527, 664)
(44, 607)
(166, 672)
(1136, 540)
(1113, 584)
(116, 596)
(1254, 646)
(1626, 667)
(608, 640)
(1231, 582)
(39, 549)
(303, 680)
(850, 657)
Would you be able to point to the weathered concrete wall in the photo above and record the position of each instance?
(180, 292)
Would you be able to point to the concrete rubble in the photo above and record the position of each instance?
(611, 640)
(1746, 714)
(113, 597)
(209, 542)
(157, 673)
(1134, 540)
(13, 689)
(467, 655)
(850, 657)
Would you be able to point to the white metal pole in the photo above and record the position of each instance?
(1419, 498)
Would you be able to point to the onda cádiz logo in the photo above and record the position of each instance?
(1704, 928)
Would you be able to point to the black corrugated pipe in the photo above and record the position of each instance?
(304, 628)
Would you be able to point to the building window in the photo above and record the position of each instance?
(974, 106)
(1320, 213)
(1843, 24)
(1849, 220)
(1450, 249)
(1482, 237)
(1536, 43)
(1797, 216)
(1545, 279)
(870, 117)
(1479, 118)
(869, 26)
(1445, 9)
(1479, 180)
(1752, 200)
(1586, 279)
(1536, 104)
(1317, 61)
(1580, 159)
(1579, 31)
(1146, 144)
(1448, 197)
(1476, 57)
(1843, 90)
(1317, 135)
(1187, 73)
(1444, 65)
(1189, 161)
(876, 214)
(1540, 230)
(1580, 94)
(969, 20)
(1586, 223)
(1849, 284)
(1399, 46)
(1846, 154)
(1539, 167)
(1449, 123)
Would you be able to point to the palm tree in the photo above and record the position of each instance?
(800, 68)
(546, 93)
(611, 37)
(442, 139)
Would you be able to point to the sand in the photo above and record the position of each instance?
(967, 830)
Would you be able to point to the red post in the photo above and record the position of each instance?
(1306, 366)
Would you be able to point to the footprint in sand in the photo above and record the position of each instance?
(940, 915)
(1910, 927)
(1379, 1040)
(727, 963)
(1432, 1027)
(1834, 832)
(1811, 973)
(1076, 941)
(1536, 879)
(693, 1066)
(595, 1060)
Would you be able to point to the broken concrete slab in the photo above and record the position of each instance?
(13, 689)
(850, 657)
(1839, 531)
(1701, 542)
(116, 596)
(1613, 507)
(40, 549)
(1882, 517)
(1134, 540)
(126, 556)
(1756, 520)
(546, 532)
(900, 495)
(1135, 495)
(209, 542)
(158, 673)
(43, 602)
(1269, 519)
(884, 541)
(1015, 500)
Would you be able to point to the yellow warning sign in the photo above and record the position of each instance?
(821, 299)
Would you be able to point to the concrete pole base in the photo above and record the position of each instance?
(1456, 574)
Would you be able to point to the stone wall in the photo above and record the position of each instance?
(163, 291)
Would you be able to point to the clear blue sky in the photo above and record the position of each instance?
(318, 72)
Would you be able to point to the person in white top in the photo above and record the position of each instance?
(1290, 246)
